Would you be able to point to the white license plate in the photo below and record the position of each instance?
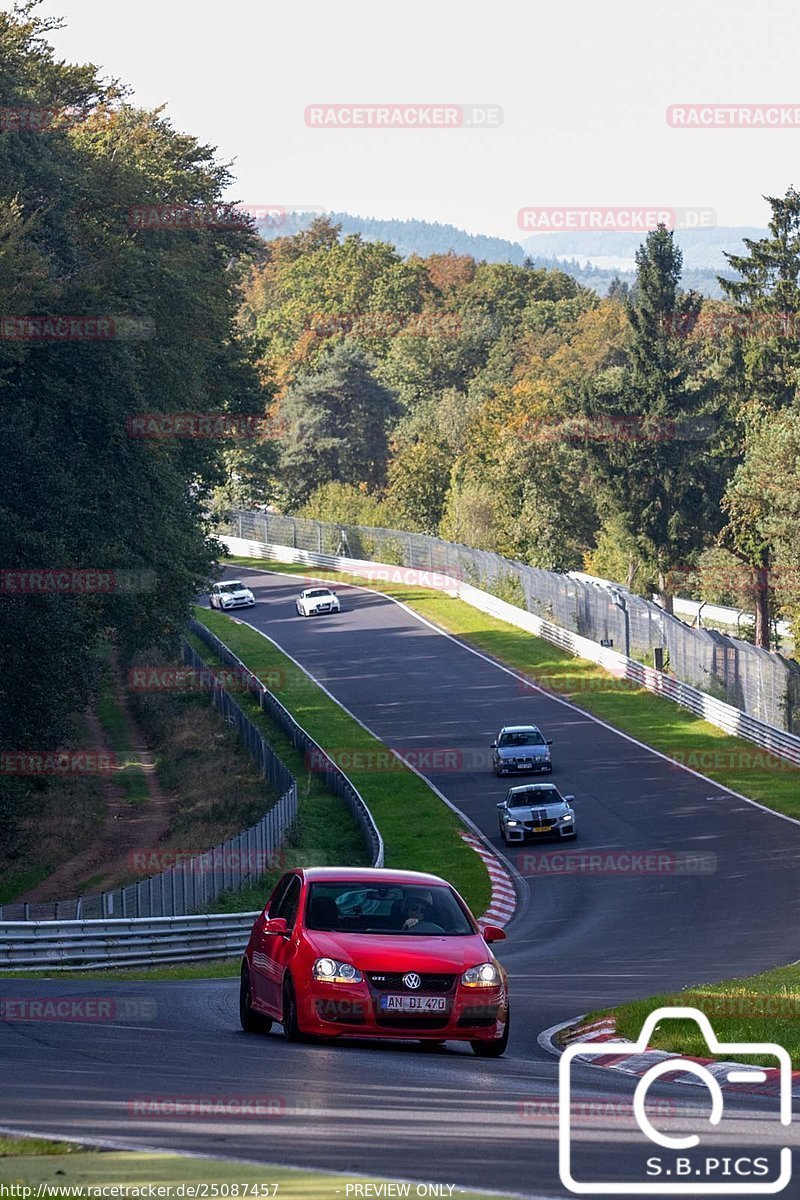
(414, 1004)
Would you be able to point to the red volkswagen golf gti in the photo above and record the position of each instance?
(361, 952)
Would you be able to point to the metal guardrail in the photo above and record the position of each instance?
(146, 942)
(716, 712)
(335, 779)
(762, 683)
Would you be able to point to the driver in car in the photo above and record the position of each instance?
(418, 914)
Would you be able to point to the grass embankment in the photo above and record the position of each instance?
(110, 712)
(762, 1008)
(730, 761)
(419, 831)
(59, 1165)
(208, 790)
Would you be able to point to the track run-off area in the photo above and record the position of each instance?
(578, 942)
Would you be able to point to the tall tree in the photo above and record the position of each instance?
(333, 426)
(77, 490)
(650, 428)
(764, 367)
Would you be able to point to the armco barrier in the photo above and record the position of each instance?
(716, 712)
(92, 945)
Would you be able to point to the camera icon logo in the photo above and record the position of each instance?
(683, 1167)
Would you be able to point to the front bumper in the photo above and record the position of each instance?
(319, 609)
(521, 835)
(511, 766)
(243, 603)
(354, 1010)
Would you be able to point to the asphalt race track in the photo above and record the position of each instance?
(577, 943)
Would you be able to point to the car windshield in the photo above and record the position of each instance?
(320, 592)
(233, 585)
(401, 909)
(521, 737)
(533, 796)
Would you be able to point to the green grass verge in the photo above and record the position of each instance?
(733, 762)
(761, 1008)
(419, 831)
(16, 1147)
(78, 1168)
(129, 774)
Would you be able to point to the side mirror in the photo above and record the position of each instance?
(549, 741)
(276, 925)
(570, 799)
(493, 933)
(492, 745)
(502, 804)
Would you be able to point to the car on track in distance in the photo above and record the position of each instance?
(520, 748)
(532, 811)
(373, 953)
(315, 600)
(230, 593)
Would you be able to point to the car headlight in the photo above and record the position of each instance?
(565, 820)
(484, 975)
(512, 822)
(330, 970)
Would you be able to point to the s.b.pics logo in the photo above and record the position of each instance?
(690, 1152)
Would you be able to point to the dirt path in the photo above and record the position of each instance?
(125, 827)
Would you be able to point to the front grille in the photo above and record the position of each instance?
(392, 981)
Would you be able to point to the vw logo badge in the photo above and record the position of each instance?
(412, 980)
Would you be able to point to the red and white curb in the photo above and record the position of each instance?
(504, 898)
(640, 1063)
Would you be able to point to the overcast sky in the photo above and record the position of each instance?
(584, 88)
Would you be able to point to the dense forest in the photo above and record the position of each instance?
(651, 436)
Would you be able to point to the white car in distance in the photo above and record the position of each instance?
(316, 600)
(230, 593)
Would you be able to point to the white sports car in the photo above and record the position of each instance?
(231, 593)
(316, 600)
